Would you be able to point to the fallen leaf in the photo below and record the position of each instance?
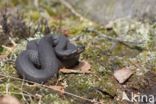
(3, 57)
(83, 68)
(123, 74)
(7, 99)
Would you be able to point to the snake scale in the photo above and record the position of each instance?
(43, 57)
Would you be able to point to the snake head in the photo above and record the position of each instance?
(74, 53)
(79, 50)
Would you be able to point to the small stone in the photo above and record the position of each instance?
(122, 75)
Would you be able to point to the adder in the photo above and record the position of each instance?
(43, 58)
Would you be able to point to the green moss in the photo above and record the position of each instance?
(53, 98)
(17, 2)
(34, 15)
(1, 49)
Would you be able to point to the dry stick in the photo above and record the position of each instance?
(59, 28)
(135, 65)
(101, 35)
(118, 40)
(68, 93)
(71, 8)
(22, 90)
(23, 94)
(16, 93)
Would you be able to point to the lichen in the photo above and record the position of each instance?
(132, 32)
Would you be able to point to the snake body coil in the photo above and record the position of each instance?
(43, 58)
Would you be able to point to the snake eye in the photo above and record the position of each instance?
(80, 49)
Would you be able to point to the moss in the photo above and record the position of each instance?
(17, 2)
(53, 98)
(34, 15)
(1, 49)
(79, 83)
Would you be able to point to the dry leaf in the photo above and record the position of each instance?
(123, 74)
(3, 57)
(7, 99)
(68, 71)
(82, 68)
(57, 88)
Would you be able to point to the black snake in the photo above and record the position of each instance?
(42, 58)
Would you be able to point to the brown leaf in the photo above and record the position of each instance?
(3, 57)
(57, 88)
(82, 68)
(7, 99)
(123, 74)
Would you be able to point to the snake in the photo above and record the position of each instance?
(42, 58)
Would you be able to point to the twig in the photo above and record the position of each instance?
(71, 8)
(71, 71)
(16, 93)
(7, 87)
(104, 92)
(45, 86)
(22, 91)
(36, 3)
(118, 40)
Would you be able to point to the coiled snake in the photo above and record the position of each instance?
(42, 58)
